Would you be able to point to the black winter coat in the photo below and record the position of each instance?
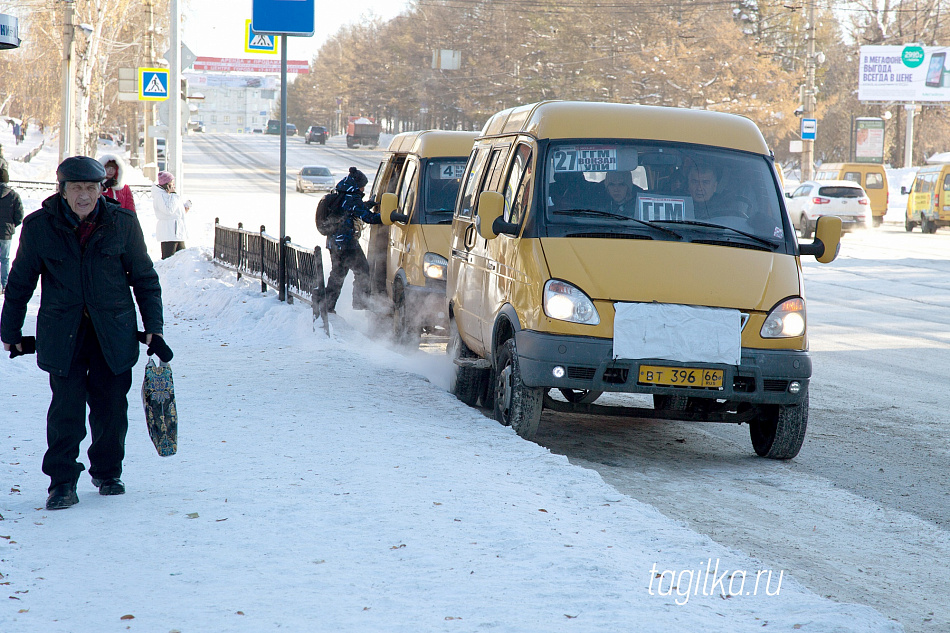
(97, 279)
(11, 212)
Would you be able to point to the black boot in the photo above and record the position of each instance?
(112, 486)
(62, 496)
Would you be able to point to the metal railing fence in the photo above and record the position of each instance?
(257, 255)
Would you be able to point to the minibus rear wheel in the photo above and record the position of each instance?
(469, 381)
(516, 405)
(779, 430)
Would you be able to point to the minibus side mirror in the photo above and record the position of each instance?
(387, 209)
(904, 191)
(827, 240)
(788, 194)
(491, 205)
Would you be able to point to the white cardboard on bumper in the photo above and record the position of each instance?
(687, 334)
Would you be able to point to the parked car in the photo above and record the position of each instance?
(816, 198)
(291, 129)
(317, 134)
(273, 126)
(315, 178)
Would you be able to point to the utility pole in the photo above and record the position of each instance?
(69, 53)
(173, 138)
(151, 170)
(911, 109)
(808, 105)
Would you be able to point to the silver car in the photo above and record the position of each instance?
(315, 178)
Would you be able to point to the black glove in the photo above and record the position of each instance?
(372, 204)
(158, 346)
(28, 343)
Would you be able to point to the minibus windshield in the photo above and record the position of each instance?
(593, 185)
(443, 177)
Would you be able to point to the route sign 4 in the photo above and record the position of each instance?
(153, 84)
(255, 42)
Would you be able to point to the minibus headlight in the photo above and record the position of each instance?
(566, 302)
(434, 265)
(786, 320)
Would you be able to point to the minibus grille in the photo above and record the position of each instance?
(775, 385)
(581, 373)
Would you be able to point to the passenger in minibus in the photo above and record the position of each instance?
(621, 193)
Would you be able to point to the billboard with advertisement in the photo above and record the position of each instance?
(869, 140)
(904, 73)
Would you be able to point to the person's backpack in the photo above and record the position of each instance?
(330, 213)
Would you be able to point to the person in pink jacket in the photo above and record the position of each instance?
(114, 186)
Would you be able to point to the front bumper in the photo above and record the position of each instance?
(762, 377)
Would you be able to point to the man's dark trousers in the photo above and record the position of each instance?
(342, 260)
(90, 381)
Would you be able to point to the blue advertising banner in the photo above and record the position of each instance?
(283, 17)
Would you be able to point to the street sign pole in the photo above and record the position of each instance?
(282, 276)
(283, 18)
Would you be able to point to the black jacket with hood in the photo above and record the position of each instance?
(101, 279)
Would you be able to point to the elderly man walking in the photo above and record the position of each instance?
(91, 256)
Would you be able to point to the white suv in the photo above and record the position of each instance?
(813, 199)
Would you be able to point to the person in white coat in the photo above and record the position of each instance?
(170, 212)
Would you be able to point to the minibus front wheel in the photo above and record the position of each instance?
(778, 432)
(516, 405)
(405, 330)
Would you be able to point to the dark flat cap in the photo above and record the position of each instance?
(80, 169)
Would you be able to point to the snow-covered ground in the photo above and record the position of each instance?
(333, 484)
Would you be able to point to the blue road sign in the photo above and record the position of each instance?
(283, 17)
(809, 128)
(153, 84)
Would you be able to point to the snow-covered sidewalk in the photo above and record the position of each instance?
(335, 485)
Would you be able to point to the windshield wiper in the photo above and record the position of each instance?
(761, 240)
(607, 214)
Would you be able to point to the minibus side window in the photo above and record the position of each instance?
(378, 180)
(407, 189)
(492, 173)
(493, 182)
(873, 181)
(853, 176)
(472, 177)
(518, 189)
(946, 183)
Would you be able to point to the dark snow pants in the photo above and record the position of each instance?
(343, 260)
(90, 381)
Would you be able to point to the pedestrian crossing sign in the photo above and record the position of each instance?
(153, 84)
(258, 42)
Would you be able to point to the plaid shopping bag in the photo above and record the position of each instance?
(158, 398)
